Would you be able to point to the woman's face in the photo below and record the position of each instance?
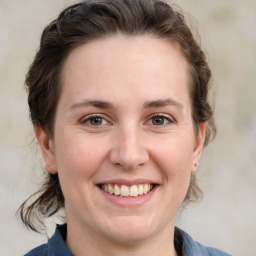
(123, 125)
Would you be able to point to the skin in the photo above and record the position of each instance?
(139, 77)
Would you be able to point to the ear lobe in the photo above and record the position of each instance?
(47, 149)
(199, 143)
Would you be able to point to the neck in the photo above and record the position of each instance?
(88, 243)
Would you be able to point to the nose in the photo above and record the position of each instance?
(128, 150)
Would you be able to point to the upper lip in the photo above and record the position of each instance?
(128, 182)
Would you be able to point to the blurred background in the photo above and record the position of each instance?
(226, 217)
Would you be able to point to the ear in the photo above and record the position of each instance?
(47, 148)
(199, 143)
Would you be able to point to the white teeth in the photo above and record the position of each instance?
(134, 190)
(124, 191)
(116, 190)
(110, 189)
(140, 190)
(145, 188)
(127, 191)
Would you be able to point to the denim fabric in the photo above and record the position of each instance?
(56, 245)
(192, 248)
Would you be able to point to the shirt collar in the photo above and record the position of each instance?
(184, 244)
(56, 245)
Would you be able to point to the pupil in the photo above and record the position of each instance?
(96, 121)
(158, 120)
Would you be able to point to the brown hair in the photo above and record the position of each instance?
(90, 20)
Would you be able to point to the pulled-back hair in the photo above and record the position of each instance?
(91, 20)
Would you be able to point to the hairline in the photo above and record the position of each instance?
(170, 40)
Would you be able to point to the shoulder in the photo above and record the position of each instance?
(193, 248)
(38, 251)
(55, 246)
(209, 251)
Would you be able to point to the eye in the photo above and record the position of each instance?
(160, 120)
(94, 120)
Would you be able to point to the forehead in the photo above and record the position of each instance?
(135, 64)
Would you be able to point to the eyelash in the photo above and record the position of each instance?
(92, 117)
(167, 118)
(89, 118)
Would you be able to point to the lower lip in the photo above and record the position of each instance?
(129, 201)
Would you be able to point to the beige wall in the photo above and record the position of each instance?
(226, 218)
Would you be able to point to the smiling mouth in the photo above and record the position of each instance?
(127, 191)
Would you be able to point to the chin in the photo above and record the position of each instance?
(130, 229)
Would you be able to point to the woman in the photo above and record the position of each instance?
(118, 99)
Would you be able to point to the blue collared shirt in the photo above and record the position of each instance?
(183, 243)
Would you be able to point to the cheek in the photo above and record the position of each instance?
(79, 157)
(174, 159)
(175, 155)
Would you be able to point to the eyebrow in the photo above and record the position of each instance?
(162, 103)
(106, 105)
(95, 103)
